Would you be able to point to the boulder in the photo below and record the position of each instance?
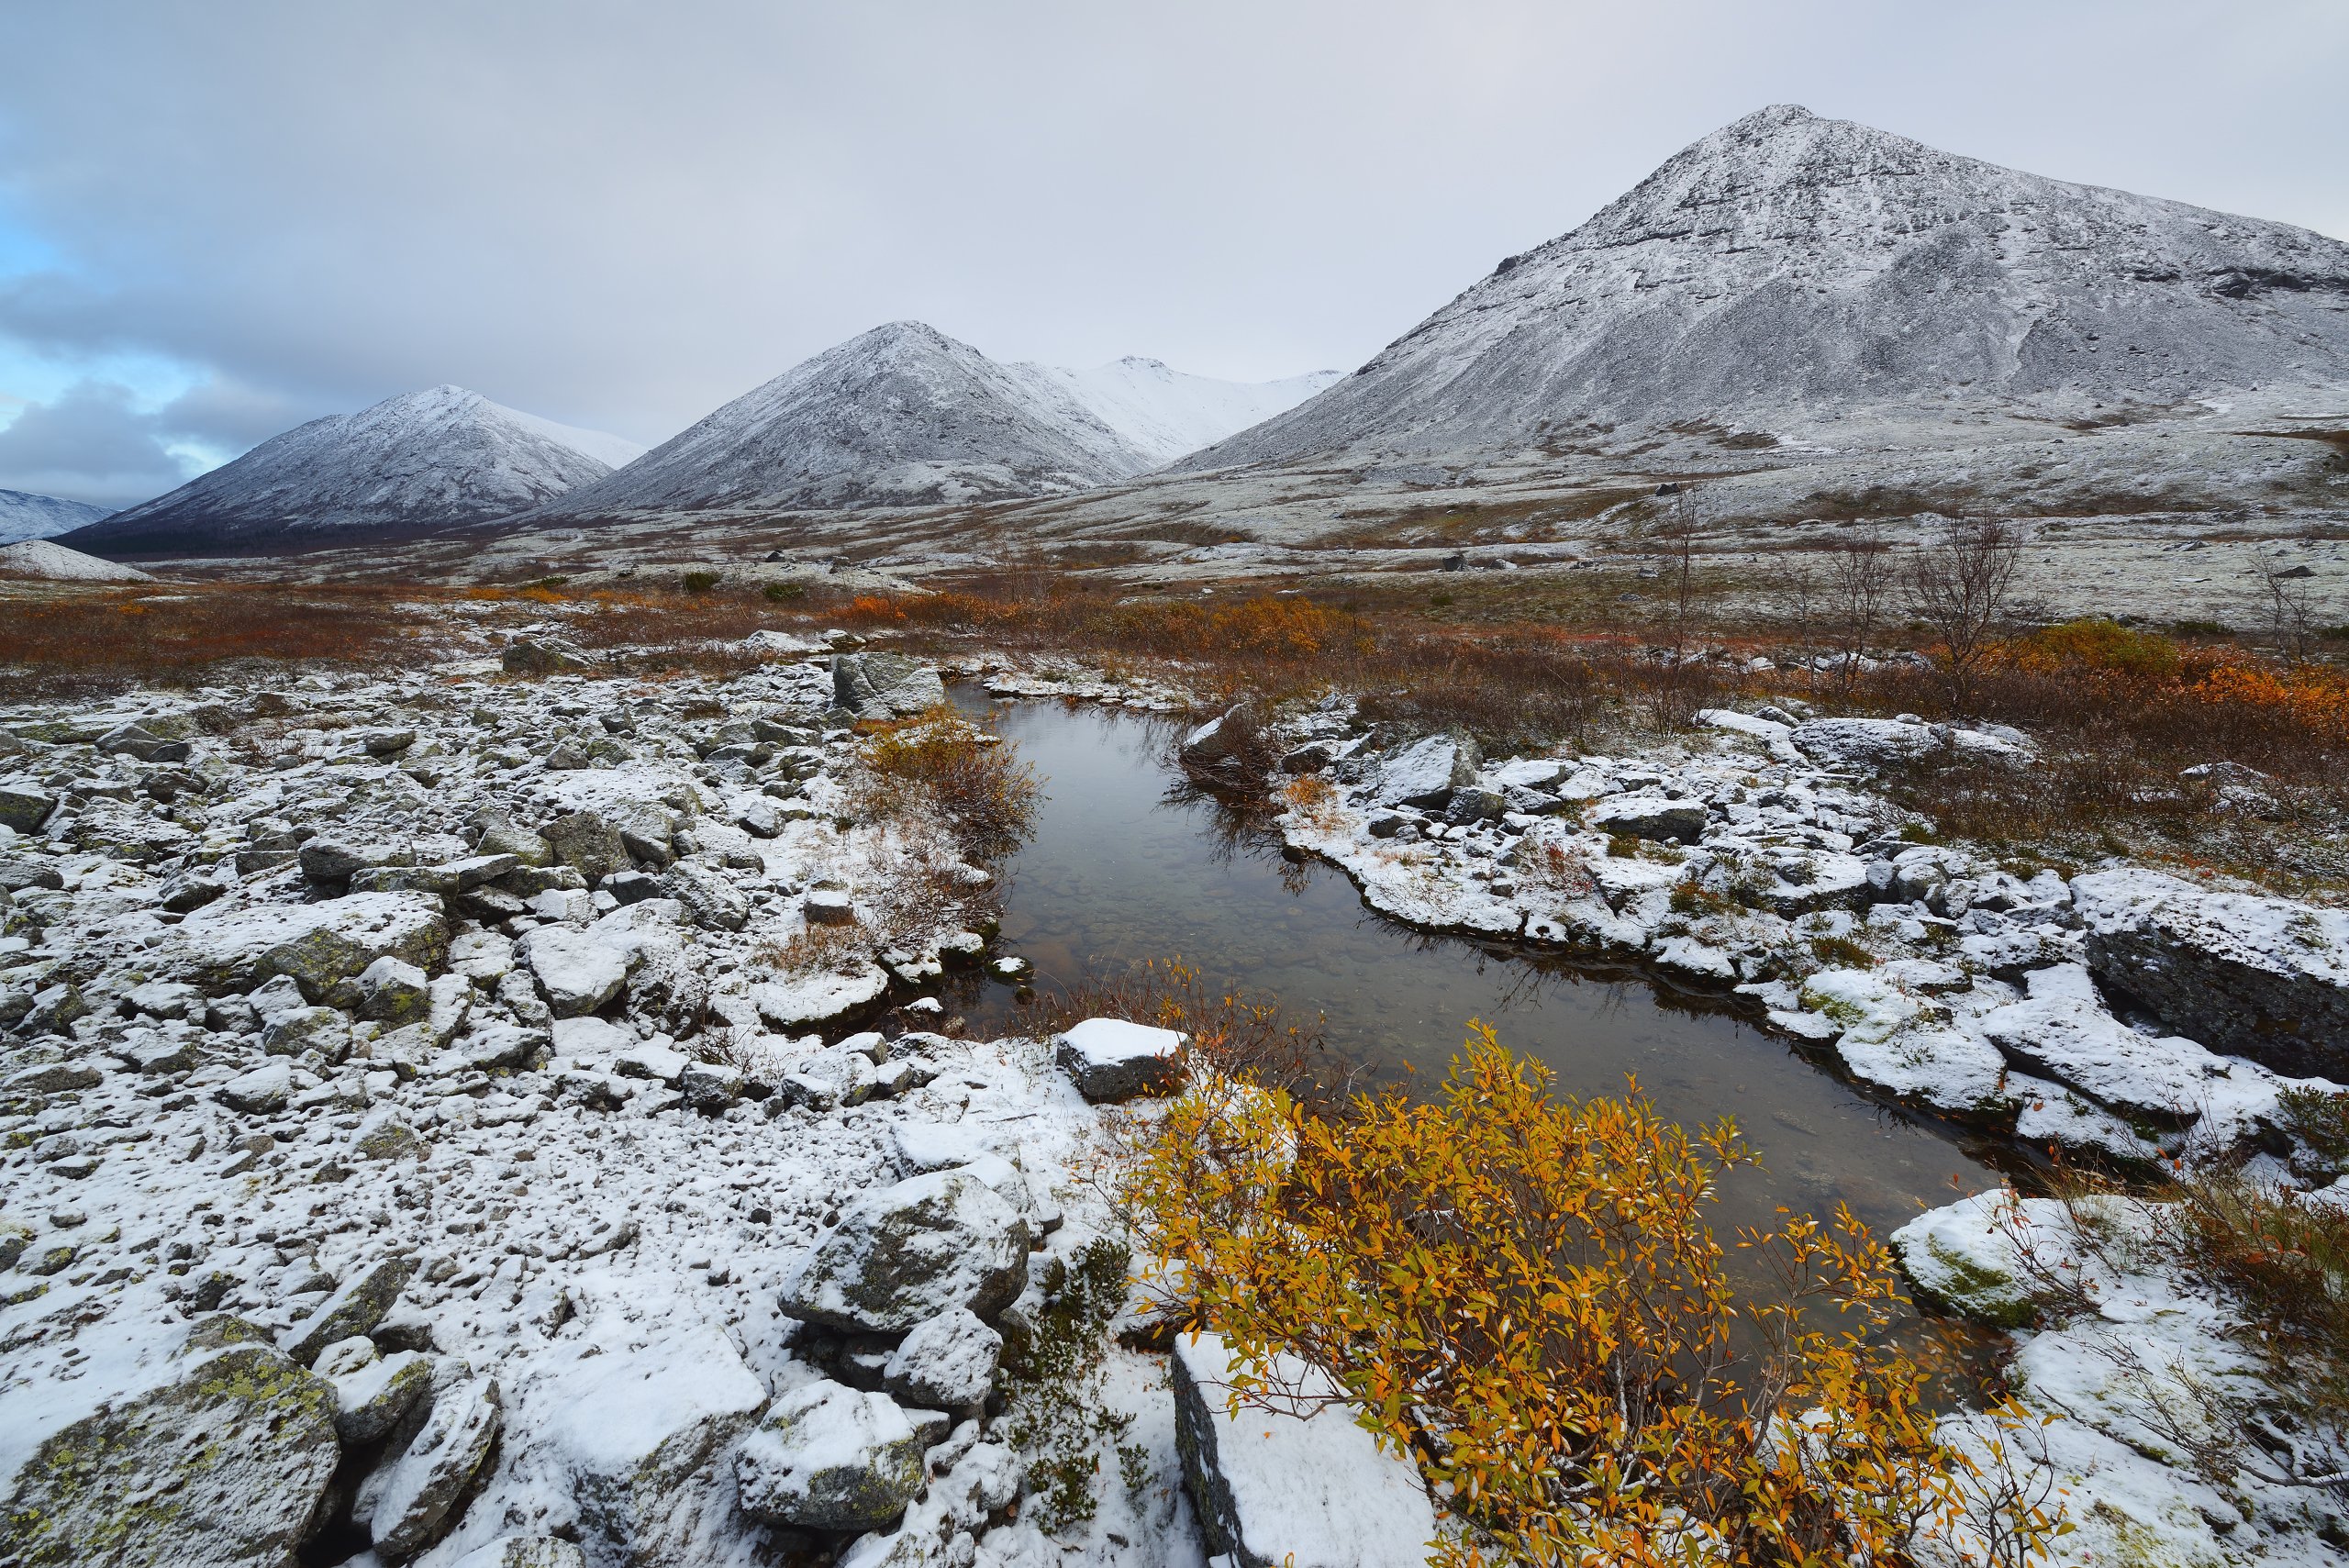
(2263, 978)
(1306, 1487)
(1220, 745)
(884, 686)
(24, 804)
(832, 1458)
(354, 1309)
(584, 840)
(1651, 816)
(373, 1391)
(415, 1499)
(224, 1464)
(910, 1251)
(524, 1551)
(262, 1092)
(575, 972)
(543, 656)
(337, 860)
(947, 1362)
(709, 897)
(1427, 771)
(1111, 1060)
(225, 950)
(638, 1433)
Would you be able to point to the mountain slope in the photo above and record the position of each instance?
(1165, 412)
(24, 516)
(1788, 267)
(425, 460)
(900, 416)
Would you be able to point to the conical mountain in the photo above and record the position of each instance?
(899, 416)
(1789, 267)
(425, 460)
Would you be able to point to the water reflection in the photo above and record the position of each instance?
(1121, 870)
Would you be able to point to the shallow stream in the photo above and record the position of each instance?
(1121, 870)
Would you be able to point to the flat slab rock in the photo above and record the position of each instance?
(2249, 977)
(1111, 1058)
(1273, 1488)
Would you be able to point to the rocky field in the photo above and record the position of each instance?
(504, 1113)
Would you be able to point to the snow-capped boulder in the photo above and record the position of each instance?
(355, 1309)
(575, 972)
(1111, 1058)
(261, 1092)
(25, 804)
(1427, 771)
(412, 1502)
(2263, 978)
(911, 1250)
(1964, 1254)
(1218, 745)
(372, 1391)
(223, 948)
(638, 1433)
(832, 1457)
(224, 1463)
(1305, 1489)
(947, 1362)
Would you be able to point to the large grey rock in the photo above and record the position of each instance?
(1427, 771)
(373, 1391)
(224, 950)
(909, 1251)
(575, 971)
(884, 686)
(2263, 978)
(1111, 1060)
(419, 1495)
(353, 1309)
(24, 804)
(709, 895)
(1653, 817)
(262, 1092)
(2062, 1030)
(585, 840)
(1220, 744)
(544, 656)
(638, 1433)
(226, 1465)
(832, 1457)
(947, 1362)
(1303, 1487)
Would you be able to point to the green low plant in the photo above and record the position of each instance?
(1054, 1377)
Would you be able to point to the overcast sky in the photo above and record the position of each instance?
(217, 220)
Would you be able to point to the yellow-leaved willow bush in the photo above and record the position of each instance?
(1522, 1294)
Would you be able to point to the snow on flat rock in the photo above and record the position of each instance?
(1112, 1059)
(1306, 1487)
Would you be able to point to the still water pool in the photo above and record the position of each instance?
(1121, 870)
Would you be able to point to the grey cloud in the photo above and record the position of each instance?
(90, 443)
(621, 215)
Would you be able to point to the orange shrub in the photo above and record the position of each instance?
(1522, 1294)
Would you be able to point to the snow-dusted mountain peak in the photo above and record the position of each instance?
(24, 516)
(1788, 267)
(431, 459)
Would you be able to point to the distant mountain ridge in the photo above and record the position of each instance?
(905, 416)
(1788, 267)
(24, 516)
(426, 460)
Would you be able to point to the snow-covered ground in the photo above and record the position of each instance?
(510, 1117)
